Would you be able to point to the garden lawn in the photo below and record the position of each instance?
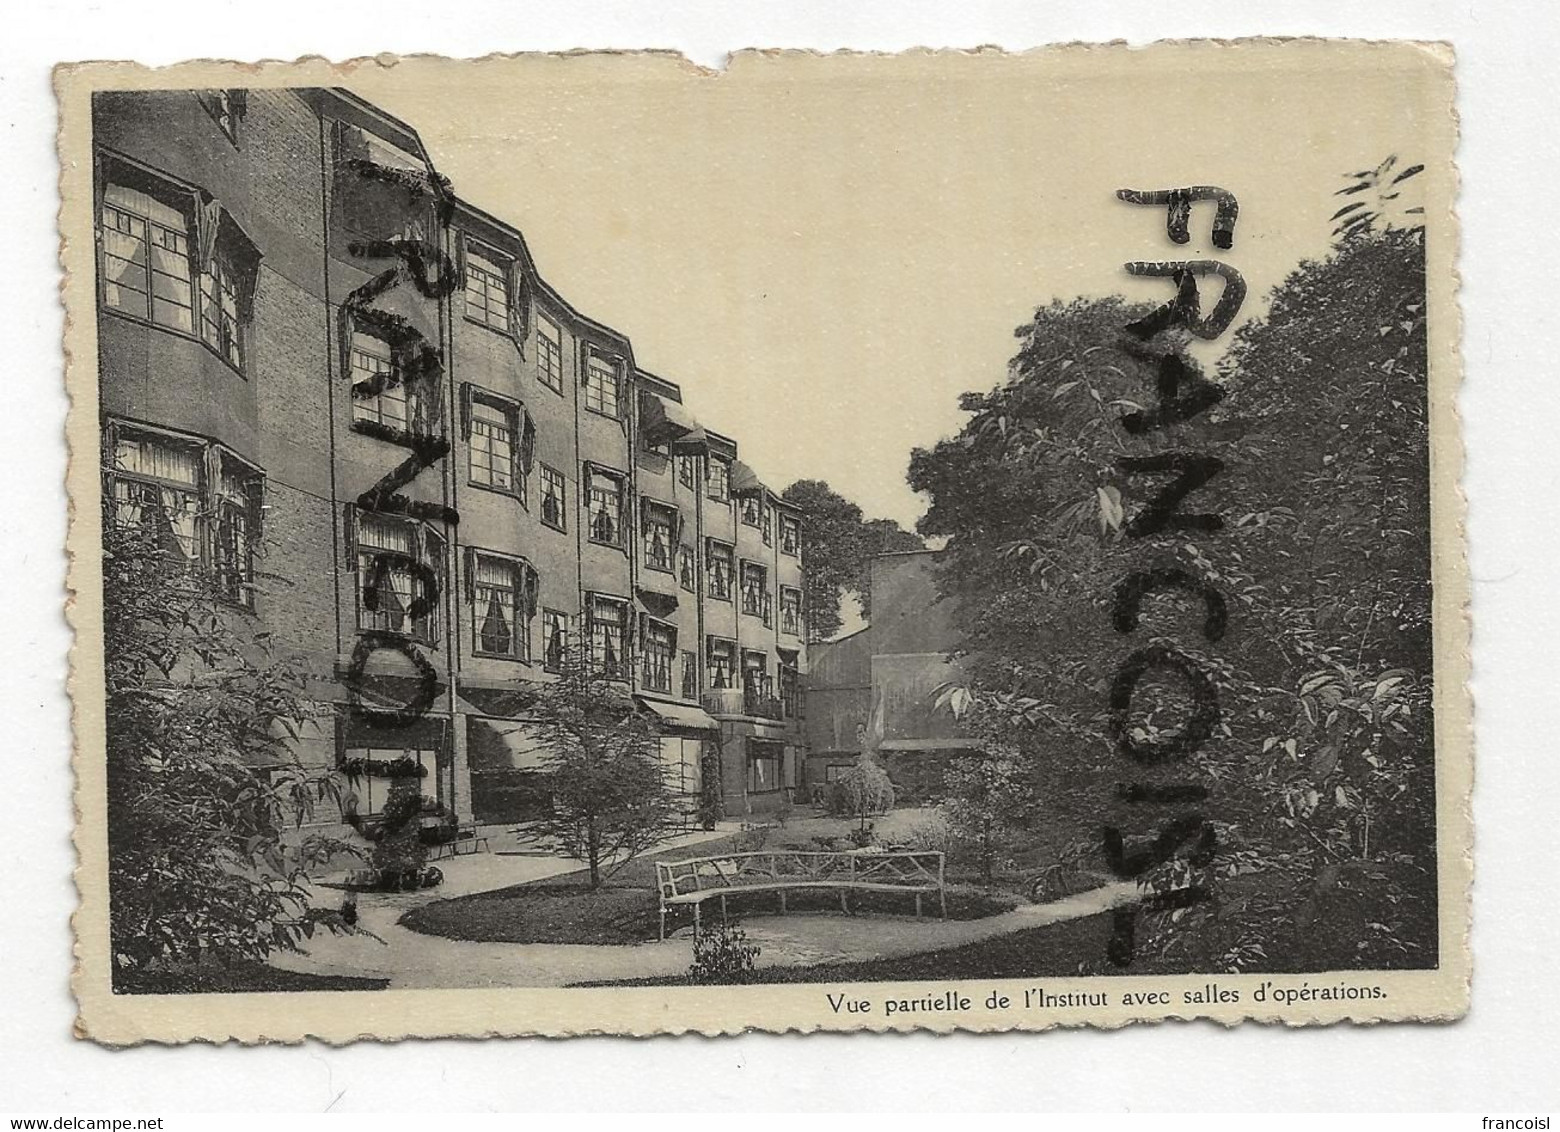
(563, 909)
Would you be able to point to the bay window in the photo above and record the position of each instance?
(198, 501)
(487, 289)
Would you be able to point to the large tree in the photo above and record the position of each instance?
(203, 781)
(1319, 766)
(838, 543)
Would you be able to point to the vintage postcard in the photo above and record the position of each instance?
(585, 544)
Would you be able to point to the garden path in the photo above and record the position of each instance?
(411, 959)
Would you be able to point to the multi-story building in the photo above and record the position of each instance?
(351, 398)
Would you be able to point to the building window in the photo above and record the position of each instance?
(722, 659)
(659, 649)
(150, 270)
(755, 591)
(555, 639)
(235, 534)
(690, 675)
(790, 691)
(606, 509)
(752, 508)
(501, 599)
(769, 525)
(147, 271)
(487, 290)
(601, 383)
(366, 771)
(790, 535)
(687, 471)
(765, 762)
(718, 476)
(200, 503)
(718, 560)
(549, 354)
(790, 611)
(397, 558)
(554, 492)
(390, 407)
(608, 621)
(687, 573)
(220, 326)
(659, 537)
(755, 674)
(493, 453)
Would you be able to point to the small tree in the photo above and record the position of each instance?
(987, 796)
(865, 790)
(611, 798)
(198, 868)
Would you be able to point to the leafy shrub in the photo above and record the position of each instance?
(400, 852)
(862, 835)
(722, 954)
(863, 790)
(751, 839)
(925, 833)
(988, 796)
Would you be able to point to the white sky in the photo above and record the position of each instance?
(825, 251)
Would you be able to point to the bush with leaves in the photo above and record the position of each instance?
(204, 785)
(722, 955)
(987, 798)
(863, 791)
(399, 853)
(611, 795)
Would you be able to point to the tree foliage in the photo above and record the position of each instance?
(204, 784)
(986, 798)
(838, 543)
(611, 797)
(1320, 762)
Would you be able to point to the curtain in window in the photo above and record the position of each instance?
(495, 605)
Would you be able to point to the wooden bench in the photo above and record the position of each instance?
(465, 842)
(693, 881)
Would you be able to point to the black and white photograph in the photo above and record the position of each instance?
(856, 542)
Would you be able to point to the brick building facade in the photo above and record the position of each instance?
(292, 305)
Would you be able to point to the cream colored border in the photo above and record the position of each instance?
(1437, 995)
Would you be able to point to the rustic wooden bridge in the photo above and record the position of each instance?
(781, 871)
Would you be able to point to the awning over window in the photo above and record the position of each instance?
(660, 603)
(662, 422)
(686, 716)
(694, 443)
(744, 480)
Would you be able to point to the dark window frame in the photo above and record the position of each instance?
(520, 625)
(561, 523)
